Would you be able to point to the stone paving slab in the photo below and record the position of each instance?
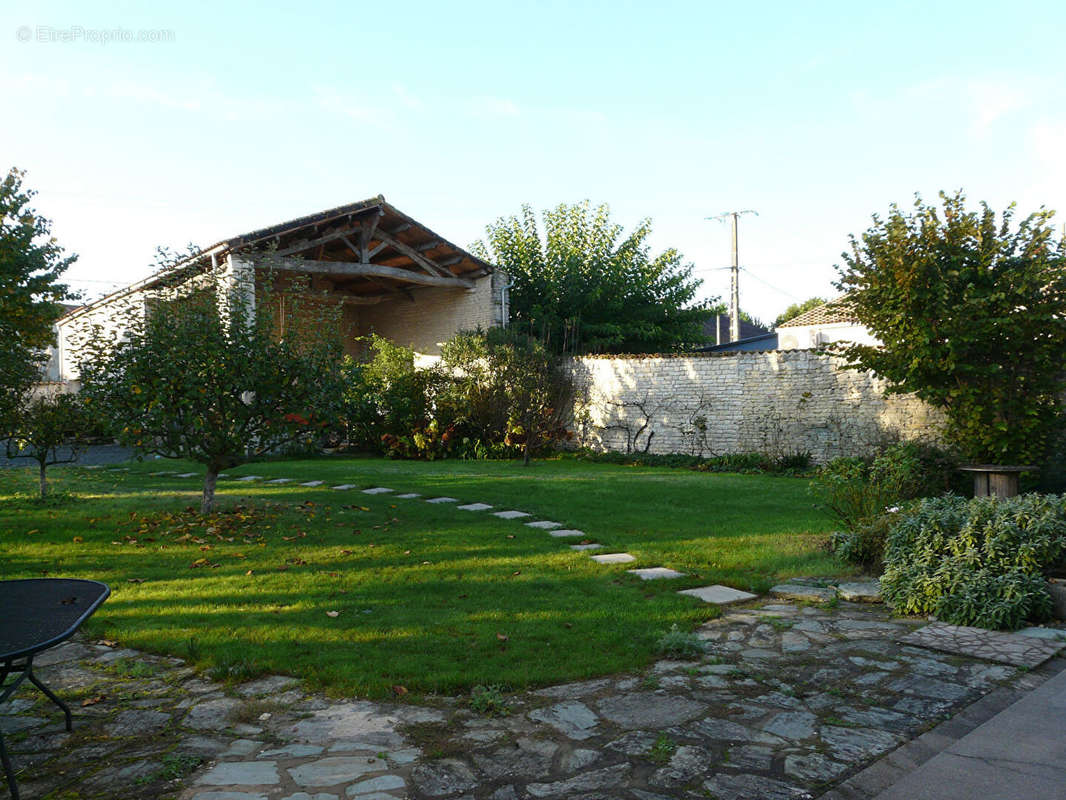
(718, 595)
(656, 573)
(614, 558)
(860, 591)
(1053, 634)
(408, 496)
(280, 480)
(510, 514)
(798, 591)
(589, 546)
(999, 646)
(565, 533)
(312, 484)
(475, 507)
(247, 478)
(182, 474)
(1018, 754)
(442, 500)
(544, 525)
(344, 487)
(377, 490)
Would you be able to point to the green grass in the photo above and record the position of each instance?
(429, 598)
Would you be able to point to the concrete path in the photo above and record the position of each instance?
(1019, 753)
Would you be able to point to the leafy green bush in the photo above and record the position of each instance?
(864, 545)
(975, 562)
(494, 394)
(859, 492)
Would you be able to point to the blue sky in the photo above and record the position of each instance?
(815, 114)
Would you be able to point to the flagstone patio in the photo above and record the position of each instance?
(788, 700)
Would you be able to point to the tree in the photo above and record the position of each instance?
(584, 288)
(203, 374)
(971, 312)
(51, 429)
(31, 263)
(796, 309)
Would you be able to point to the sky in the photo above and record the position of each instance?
(146, 125)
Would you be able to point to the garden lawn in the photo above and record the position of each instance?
(360, 594)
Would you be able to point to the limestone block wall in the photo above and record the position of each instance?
(776, 402)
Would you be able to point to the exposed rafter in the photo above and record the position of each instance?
(428, 265)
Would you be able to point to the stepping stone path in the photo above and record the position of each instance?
(614, 558)
(280, 480)
(544, 525)
(510, 514)
(442, 500)
(566, 533)
(313, 483)
(247, 478)
(1005, 648)
(343, 487)
(475, 507)
(785, 702)
(408, 496)
(377, 490)
(656, 573)
(719, 595)
(181, 474)
(589, 546)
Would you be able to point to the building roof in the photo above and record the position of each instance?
(367, 231)
(716, 329)
(835, 311)
(764, 341)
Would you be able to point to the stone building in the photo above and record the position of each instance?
(390, 274)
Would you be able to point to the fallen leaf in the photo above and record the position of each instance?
(249, 572)
(407, 552)
(92, 701)
(333, 613)
(503, 637)
(517, 572)
(108, 643)
(399, 690)
(78, 540)
(510, 536)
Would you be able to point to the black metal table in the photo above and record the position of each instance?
(36, 614)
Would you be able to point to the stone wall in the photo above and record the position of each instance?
(775, 402)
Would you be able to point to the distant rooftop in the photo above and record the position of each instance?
(716, 329)
(835, 311)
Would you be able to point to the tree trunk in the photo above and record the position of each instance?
(207, 503)
(44, 481)
(526, 452)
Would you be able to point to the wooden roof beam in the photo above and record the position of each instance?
(352, 270)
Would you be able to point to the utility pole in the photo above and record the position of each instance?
(734, 274)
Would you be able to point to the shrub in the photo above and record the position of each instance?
(495, 394)
(865, 545)
(677, 643)
(728, 462)
(975, 562)
(858, 492)
(387, 396)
